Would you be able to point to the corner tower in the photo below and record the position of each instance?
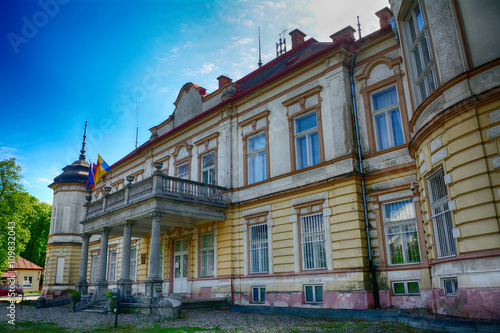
(65, 243)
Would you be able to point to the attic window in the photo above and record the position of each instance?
(291, 61)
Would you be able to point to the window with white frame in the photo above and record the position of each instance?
(183, 171)
(441, 216)
(312, 236)
(133, 264)
(419, 47)
(258, 294)
(94, 269)
(405, 288)
(259, 259)
(450, 286)
(208, 168)
(387, 118)
(27, 282)
(112, 266)
(257, 166)
(306, 140)
(207, 255)
(400, 226)
(313, 293)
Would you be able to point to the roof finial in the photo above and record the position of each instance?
(260, 60)
(82, 152)
(359, 28)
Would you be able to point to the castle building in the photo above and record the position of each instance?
(348, 174)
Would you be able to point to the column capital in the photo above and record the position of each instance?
(128, 224)
(156, 215)
(86, 236)
(104, 230)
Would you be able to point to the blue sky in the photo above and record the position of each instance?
(63, 62)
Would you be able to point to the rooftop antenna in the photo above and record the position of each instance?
(281, 46)
(359, 28)
(260, 60)
(137, 123)
(82, 152)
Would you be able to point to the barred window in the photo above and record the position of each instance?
(259, 260)
(441, 216)
(401, 232)
(207, 255)
(313, 242)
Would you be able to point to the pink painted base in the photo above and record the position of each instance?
(470, 303)
(331, 300)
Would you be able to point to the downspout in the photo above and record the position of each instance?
(376, 298)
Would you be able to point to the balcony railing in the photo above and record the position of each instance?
(157, 186)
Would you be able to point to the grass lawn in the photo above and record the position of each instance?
(334, 326)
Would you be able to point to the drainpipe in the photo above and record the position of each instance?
(363, 187)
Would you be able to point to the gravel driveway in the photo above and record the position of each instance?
(225, 320)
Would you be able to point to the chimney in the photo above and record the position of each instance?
(223, 80)
(297, 37)
(384, 17)
(347, 33)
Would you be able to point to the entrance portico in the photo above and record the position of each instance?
(148, 208)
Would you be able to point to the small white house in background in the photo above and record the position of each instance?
(27, 274)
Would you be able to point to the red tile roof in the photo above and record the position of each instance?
(21, 263)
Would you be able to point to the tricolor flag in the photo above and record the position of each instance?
(101, 169)
(90, 179)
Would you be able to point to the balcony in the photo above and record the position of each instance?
(181, 202)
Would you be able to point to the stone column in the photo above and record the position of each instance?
(125, 283)
(102, 283)
(82, 285)
(154, 281)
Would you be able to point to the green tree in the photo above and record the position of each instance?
(39, 224)
(10, 175)
(23, 219)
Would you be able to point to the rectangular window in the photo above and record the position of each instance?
(27, 282)
(183, 171)
(257, 166)
(307, 140)
(401, 235)
(112, 266)
(258, 294)
(313, 242)
(207, 255)
(313, 293)
(406, 288)
(450, 286)
(208, 168)
(258, 249)
(441, 216)
(94, 269)
(421, 54)
(387, 119)
(133, 264)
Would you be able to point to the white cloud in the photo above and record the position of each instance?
(206, 68)
(248, 23)
(243, 41)
(44, 180)
(7, 152)
(275, 5)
